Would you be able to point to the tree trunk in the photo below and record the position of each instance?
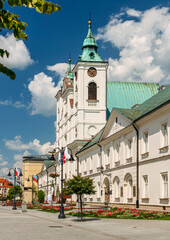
(81, 207)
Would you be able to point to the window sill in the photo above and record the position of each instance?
(117, 163)
(145, 199)
(129, 199)
(165, 199)
(129, 160)
(92, 100)
(145, 155)
(98, 169)
(163, 149)
(108, 166)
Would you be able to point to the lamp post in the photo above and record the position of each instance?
(9, 175)
(32, 185)
(61, 215)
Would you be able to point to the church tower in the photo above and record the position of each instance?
(89, 90)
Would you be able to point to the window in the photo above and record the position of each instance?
(129, 188)
(85, 165)
(92, 91)
(164, 185)
(164, 134)
(107, 156)
(117, 192)
(129, 148)
(98, 160)
(145, 139)
(145, 186)
(98, 190)
(91, 163)
(117, 150)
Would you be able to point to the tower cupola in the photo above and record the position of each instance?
(89, 48)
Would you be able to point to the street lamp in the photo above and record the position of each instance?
(9, 175)
(32, 185)
(71, 159)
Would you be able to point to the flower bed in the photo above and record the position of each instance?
(49, 208)
(125, 213)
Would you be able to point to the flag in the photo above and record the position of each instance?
(67, 156)
(17, 173)
(35, 178)
(59, 157)
(64, 157)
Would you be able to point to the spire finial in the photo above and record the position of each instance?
(89, 22)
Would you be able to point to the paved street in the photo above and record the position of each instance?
(38, 225)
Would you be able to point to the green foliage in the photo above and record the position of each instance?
(79, 185)
(41, 196)
(18, 191)
(11, 22)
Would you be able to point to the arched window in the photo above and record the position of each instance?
(92, 91)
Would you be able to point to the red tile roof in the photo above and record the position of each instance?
(5, 183)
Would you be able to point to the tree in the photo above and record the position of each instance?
(11, 22)
(41, 196)
(18, 191)
(79, 185)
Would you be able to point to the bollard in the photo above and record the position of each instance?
(24, 207)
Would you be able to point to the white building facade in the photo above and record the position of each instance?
(125, 151)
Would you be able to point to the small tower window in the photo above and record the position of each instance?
(92, 91)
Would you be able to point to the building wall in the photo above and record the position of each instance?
(120, 169)
(30, 168)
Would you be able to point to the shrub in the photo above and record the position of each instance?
(41, 196)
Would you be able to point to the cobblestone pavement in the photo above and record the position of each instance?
(37, 225)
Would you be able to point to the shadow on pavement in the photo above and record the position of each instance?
(85, 219)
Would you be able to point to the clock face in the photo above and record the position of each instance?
(92, 72)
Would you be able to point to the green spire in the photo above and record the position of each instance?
(89, 47)
(89, 41)
(69, 70)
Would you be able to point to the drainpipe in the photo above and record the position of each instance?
(47, 184)
(137, 164)
(101, 169)
(77, 164)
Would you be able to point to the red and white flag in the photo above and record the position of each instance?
(66, 155)
(17, 173)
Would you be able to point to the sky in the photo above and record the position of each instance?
(132, 35)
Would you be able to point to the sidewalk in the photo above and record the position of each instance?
(38, 225)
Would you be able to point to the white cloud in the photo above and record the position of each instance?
(143, 44)
(59, 68)
(19, 55)
(4, 171)
(43, 90)
(17, 145)
(16, 104)
(18, 156)
(18, 164)
(2, 161)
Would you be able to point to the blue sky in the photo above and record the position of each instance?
(132, 35)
